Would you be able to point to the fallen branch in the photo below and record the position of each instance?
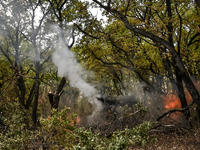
(131, 114)
(174, 110)
(172, 126)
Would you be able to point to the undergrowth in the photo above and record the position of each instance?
(60, 132)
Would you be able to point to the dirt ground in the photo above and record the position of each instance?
(173, 139)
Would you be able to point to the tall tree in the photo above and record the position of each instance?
(164, 26)
(25, 47)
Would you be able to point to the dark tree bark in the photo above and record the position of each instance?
(54, 98)
(30, 98)
(20, 83)
(181, 95)
(35, 102)
(197, 2)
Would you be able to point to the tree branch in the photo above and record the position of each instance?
(73, 38)
(79, 28)
(192, 39)
(174, 110)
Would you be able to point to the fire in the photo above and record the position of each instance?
(78, 119)
(172, 101)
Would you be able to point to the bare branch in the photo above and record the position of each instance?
(127, 7)
(180, 29)
(73, 38)
(174, 110)
(192, 39)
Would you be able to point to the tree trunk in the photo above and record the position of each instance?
(198, 3)
(181, 95)
(54, 98)
(20, 83)
(30, 98)
(35, 103)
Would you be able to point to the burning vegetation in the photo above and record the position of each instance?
(172, 101)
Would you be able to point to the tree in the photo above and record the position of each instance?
(65, 13)
(28, 42)
(165, 27)
(25, 47)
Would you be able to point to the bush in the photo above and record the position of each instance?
(60, 132)
(16, 133)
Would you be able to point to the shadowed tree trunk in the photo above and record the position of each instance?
(54, 98)
(35, 102)
(181, 95)
(197, 2)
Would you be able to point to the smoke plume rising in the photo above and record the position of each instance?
(68, 67)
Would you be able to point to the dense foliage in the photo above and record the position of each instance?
(60, 132)
(58, 53)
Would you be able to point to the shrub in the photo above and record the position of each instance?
(60, 132)
(16, 134)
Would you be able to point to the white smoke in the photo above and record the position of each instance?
(68, 67)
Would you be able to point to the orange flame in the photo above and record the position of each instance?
(172, 101)
(78, 119)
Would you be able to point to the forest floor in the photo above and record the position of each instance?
(175, 139)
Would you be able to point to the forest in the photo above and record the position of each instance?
(99, 74)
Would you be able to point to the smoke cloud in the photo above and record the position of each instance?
(68, 67)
